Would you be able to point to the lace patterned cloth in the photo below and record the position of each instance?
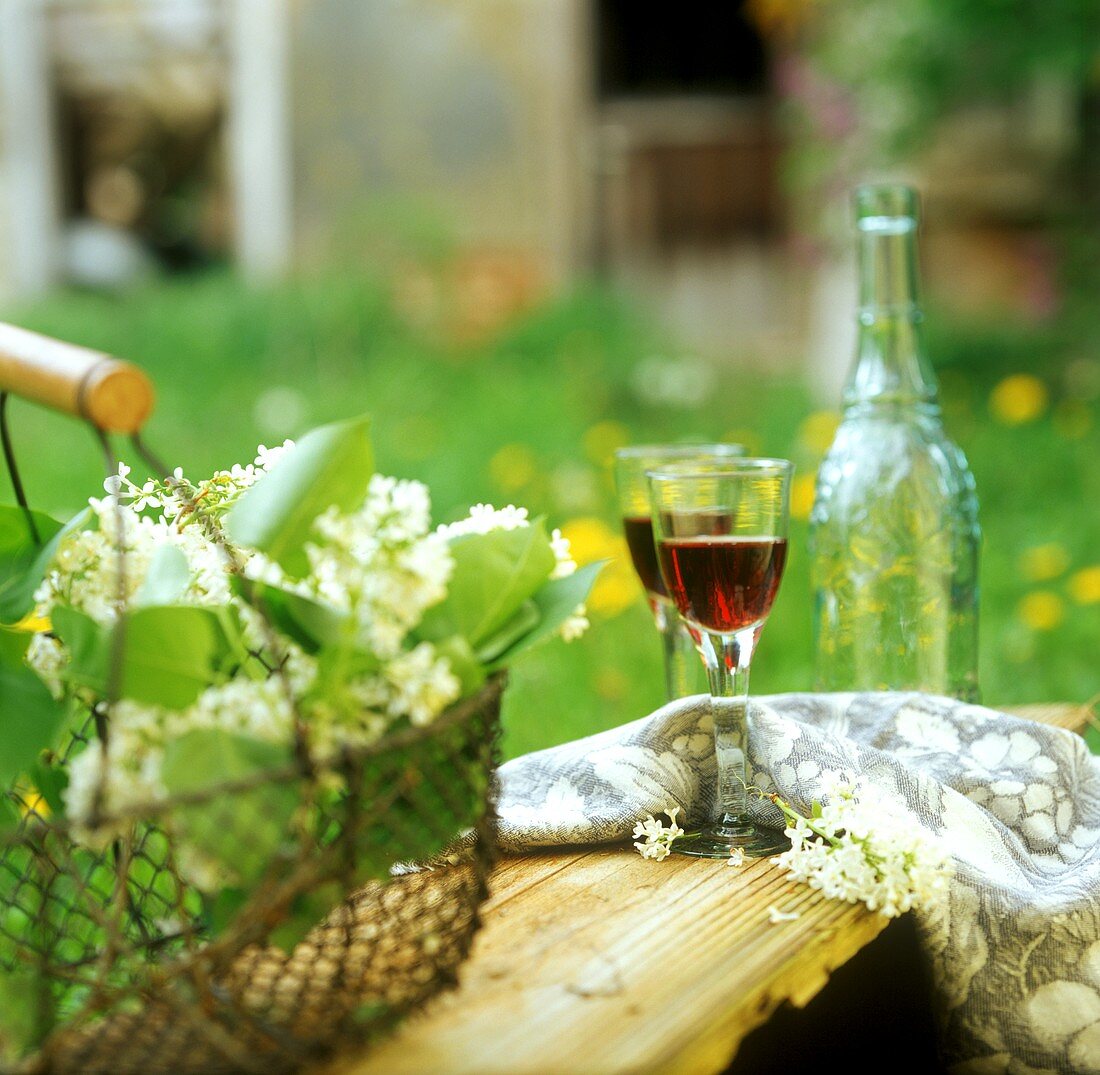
(1015, 952)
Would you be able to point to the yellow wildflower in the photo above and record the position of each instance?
(817, 431)
(1019, 399)
(616, 588)
(802, 496)
(33, 624)
(1042, 610)
(30, 802)
(1084, 585)
(512, 467)
(1044, 562)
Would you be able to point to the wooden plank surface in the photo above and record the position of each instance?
(596, 961)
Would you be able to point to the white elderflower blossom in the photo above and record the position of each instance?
(379, 566)
(423, 684)
(776, 916)
(132, 776)
(267, 457)
(47, 657)
(575, 625)
(654, 839)
(565, 565)
(863, 846)
(258, 708)
(85, 570)
(381, 562)
(484, 519)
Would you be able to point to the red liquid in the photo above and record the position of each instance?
(643, 552)
(724, 583)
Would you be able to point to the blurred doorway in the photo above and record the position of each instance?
(688, 203)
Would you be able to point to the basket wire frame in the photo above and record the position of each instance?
(118, 946)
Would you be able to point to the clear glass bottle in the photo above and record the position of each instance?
(894, 533)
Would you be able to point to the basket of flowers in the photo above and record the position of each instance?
(249, 726)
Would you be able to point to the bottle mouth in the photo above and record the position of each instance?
(886, 208)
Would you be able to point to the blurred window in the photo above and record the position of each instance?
(689, 143)
(698, 47)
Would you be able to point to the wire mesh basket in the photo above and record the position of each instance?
(133, 977)
(362, 896)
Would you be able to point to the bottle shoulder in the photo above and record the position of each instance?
(895, 455)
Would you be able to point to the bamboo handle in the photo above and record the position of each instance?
(115, 396)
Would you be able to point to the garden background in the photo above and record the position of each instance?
(492, 385)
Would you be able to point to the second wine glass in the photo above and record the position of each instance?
(631, 464)
(722, 545)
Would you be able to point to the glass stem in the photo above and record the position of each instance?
(727, 658)
(681, 660)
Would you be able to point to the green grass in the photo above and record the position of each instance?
(556, 390)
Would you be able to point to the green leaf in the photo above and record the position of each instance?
(464, 663)
(29, 715)
(556, 602)
(426, 795)
(329, 466)
(10, 817)
(312, 624)
(171, 653)
(22, 994)
(306, 911)
(18, 558)
(222, 907)
(246, 830)
(336, 666)
(522, 623)
(50, 781)
(494, 574)
(89, 647)
(167, 579)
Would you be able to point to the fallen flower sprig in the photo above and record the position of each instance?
(858, 845)
(654, 839)
(862, 846)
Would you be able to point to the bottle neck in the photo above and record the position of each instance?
(890, 360)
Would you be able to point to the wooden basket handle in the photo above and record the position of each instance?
(115, 396)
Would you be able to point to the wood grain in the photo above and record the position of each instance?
(596, 962)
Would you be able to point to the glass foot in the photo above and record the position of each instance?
(718, 840)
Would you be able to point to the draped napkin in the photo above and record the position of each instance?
(1014, 950)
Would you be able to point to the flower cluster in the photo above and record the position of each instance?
(375, 570)
(862, 846)
(381, 562)
(858, 845)
(654, 839)
(128, 773)
(484, 518)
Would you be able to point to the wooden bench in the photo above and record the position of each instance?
(595, 961)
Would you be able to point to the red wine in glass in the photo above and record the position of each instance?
(643, 552)
(723, 583)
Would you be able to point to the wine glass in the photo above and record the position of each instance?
(681, 664)
(721, 546)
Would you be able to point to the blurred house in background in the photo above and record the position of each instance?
(139, 134)
(552, 139)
